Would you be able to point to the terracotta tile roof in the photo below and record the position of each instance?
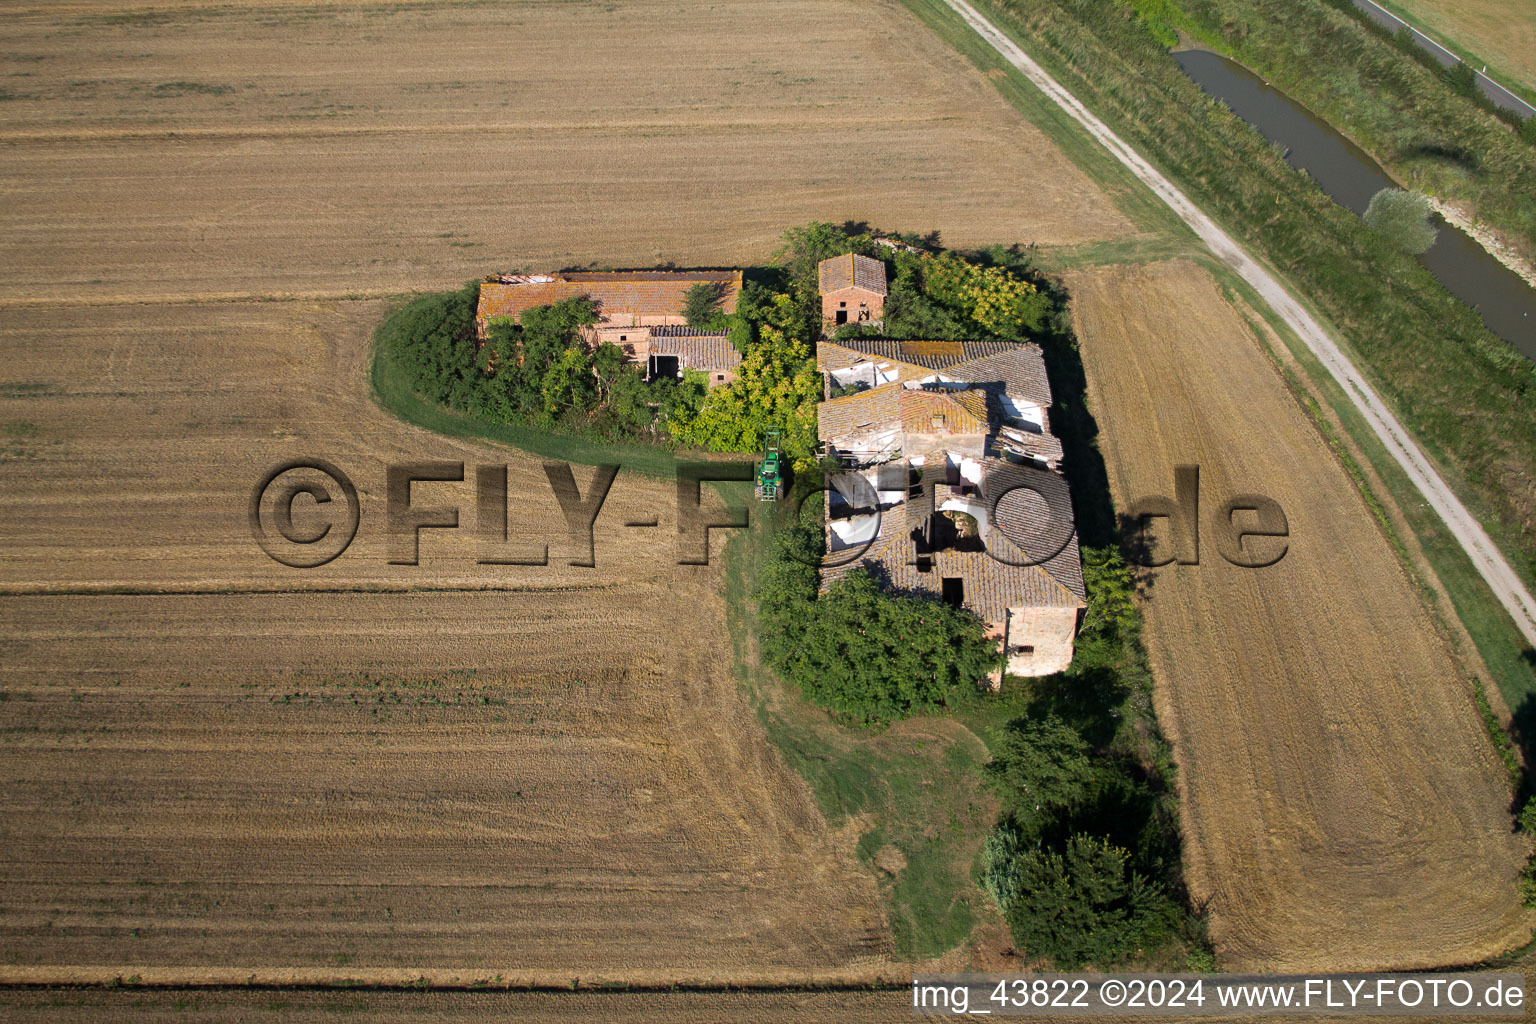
(1020, 369)
(836, 356)
(872, 409)
(851, 271)
(991, 586)
(950, 412)
(694, 348)
(1028, 517)
(1023, 519)
(620, 294)
(1041, 446)
(932, 355)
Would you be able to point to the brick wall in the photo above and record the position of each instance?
(854, 302)
(1049, 631)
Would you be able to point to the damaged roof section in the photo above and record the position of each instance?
(624, 295)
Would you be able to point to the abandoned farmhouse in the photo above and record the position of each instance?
(640, 311)
(951, 440)
(942, 433)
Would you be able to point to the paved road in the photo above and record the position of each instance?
(1493, 90)
(1463, 525)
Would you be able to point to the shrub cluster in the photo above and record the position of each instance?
(866, 655)
(536, 373)
(1085, 862)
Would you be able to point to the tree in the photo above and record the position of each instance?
(607, 365)
(876, 657)
(1402, 218)
(568, 384)
(1000, 302)
(1462, 78)
(434, 340)
(1082, 903)
(740, 332)
(1528, 816)
(1528, 130)
(701, 302)
(1041, 766)
(910, 313)
(777, 383)
(786, 592)
(1111, 586)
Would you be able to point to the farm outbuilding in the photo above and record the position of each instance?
(852, 289)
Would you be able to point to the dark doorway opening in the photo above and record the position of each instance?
(842, 316)
(953, 591)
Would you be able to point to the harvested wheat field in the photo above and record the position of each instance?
(67, 1007)
(172, 149)
(1500, 31)
(213, 761)
(1343, 808)
(285, 768)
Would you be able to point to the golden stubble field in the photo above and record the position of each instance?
(1501, 31)
(211, 760)
(539, 768)
(1343, 808)
(164, 149)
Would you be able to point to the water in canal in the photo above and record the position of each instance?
(1351, 177)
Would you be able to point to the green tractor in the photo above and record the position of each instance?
(770, 473)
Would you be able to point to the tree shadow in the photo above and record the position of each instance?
(1074, 426)
(1085, 700)
(1522, 730)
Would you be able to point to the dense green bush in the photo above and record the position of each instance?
(434, 340)
(863, 654)
(1085, 862)
(1462, 78)
(1082, 903)
(1527, 819)
(701, 303)
(1041, 767)
(1403, 218)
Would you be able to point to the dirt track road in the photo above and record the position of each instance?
(1463, 525)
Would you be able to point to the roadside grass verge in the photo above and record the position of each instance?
(1495, 71)
(1146, 249)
